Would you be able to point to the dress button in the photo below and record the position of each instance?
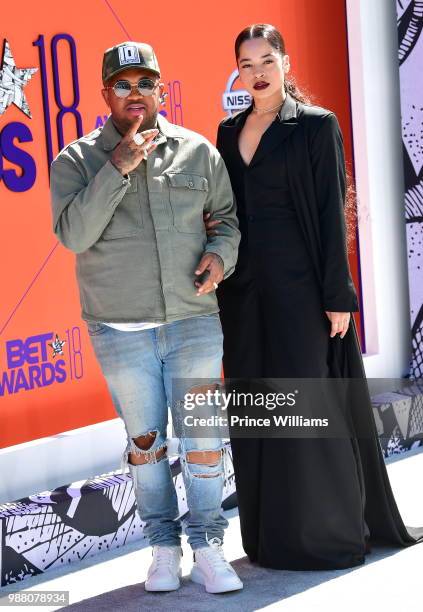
(251, 218)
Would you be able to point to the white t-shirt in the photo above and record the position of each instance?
(133, 326)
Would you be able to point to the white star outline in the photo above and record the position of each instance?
(57, 346)
(12, 82)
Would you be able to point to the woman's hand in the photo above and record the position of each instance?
(210, 225)
(340, 322)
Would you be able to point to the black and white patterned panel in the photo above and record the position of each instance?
(410, 57)
(79, 520)
(399, 419)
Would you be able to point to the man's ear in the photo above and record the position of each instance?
(161, 93)
(105, 94)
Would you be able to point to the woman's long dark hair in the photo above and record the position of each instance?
(275, 40)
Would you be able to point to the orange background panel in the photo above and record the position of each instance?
(194, 44)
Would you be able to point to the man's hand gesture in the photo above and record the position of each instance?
(128, 154)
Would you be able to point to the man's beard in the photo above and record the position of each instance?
(150, 123)
(145, 125)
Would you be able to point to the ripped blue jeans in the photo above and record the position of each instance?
(139, 367)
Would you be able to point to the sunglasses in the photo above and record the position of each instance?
(123, 88)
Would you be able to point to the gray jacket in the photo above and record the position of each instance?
(139, 240)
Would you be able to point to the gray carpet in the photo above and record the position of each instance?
(262, 587)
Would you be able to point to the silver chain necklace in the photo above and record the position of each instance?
(266, 110)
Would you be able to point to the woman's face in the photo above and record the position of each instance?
(261, 68)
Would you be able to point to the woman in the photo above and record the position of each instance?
(286, 313)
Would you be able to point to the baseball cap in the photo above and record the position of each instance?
(129, 55)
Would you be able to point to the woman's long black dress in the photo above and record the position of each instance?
(302, 502)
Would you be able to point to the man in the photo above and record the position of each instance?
(129, 200)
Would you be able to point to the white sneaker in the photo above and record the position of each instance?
(165, 571)
(212, 570)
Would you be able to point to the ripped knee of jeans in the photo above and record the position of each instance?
(142, 449)
(203, 464)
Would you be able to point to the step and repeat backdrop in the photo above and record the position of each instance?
(50, 82)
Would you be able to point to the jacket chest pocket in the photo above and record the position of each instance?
(127, 218)
(187, 194)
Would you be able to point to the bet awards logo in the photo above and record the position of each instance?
(235, 99)
(41, 360)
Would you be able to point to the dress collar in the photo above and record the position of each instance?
(280, 129)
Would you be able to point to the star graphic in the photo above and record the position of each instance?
(12, 82)
(57, 346)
